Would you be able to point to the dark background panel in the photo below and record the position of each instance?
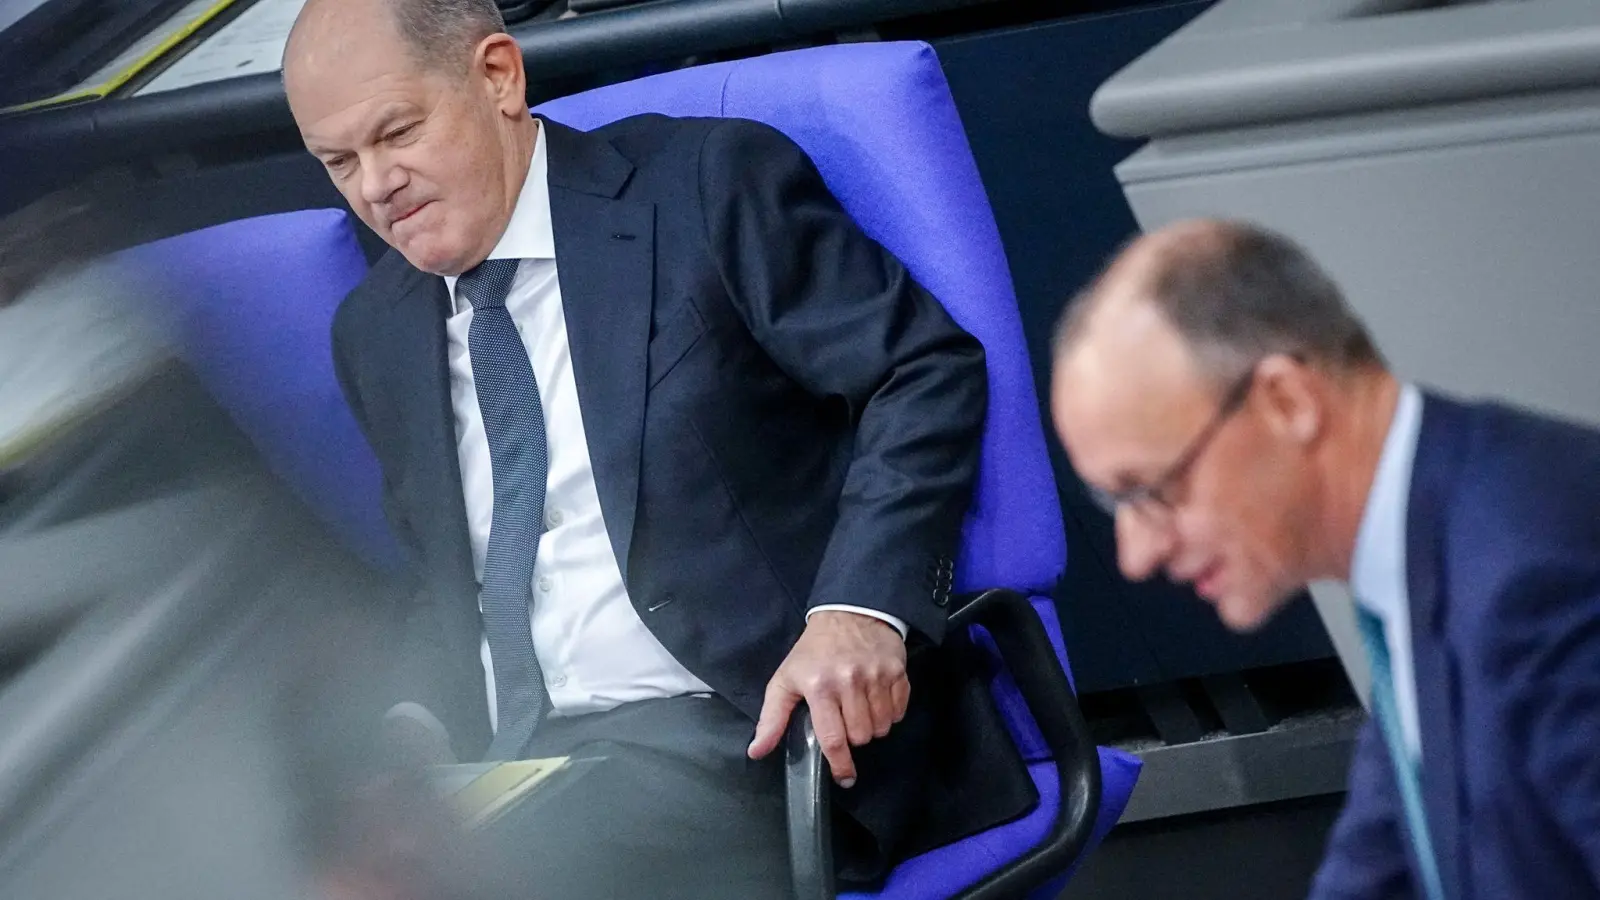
(1024, 93)
(198, 197)
(1265, 852)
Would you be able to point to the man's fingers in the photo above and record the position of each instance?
(900, 694)
(856, 704)
(828, 723)
(775, 711)
(884, 713)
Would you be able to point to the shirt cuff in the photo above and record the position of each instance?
(861, 611)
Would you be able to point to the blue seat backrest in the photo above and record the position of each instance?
(879, 122)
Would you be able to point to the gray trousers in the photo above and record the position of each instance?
(676, 811)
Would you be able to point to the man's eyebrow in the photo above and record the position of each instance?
(385, 120)
(390, 114)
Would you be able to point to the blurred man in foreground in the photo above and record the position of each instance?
(1213, 388)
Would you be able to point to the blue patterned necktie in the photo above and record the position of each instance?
(513, 420)
(1407, 777)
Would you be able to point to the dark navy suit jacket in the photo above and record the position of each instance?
(779, 417)
(1503, 570)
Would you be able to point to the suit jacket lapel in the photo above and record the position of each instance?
(605, 253)
(1435, 470)
(431, 468)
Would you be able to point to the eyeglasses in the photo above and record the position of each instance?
(1157, 495)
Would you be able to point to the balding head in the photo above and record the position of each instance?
(418, 110)
(1210, 384)
(1234, 292)
(439, 34)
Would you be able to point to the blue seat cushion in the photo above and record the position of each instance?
(250, 306)
(939, 874)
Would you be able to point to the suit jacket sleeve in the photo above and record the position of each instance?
(843, 318)
(1366, 858)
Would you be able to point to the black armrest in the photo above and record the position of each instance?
(1017, 631)
(810, 810)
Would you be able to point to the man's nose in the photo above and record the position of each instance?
(380, 179)
(1142, 546)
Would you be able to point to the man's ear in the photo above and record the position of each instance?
(1291, 397)
(499, 61)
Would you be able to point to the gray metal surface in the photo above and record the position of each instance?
(1249, 62)
(1302, 757)
(1468, 250)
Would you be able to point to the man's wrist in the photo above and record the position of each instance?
(894, 622)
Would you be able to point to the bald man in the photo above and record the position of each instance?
(673, 447)
(1220, 399)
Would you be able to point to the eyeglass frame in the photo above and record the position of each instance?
(1154, 494)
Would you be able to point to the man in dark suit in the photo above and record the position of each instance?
(1214, 387)
(650, 390)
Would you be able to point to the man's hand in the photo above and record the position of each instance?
(851, 671)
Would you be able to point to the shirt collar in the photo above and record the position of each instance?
(529, 234)
(1378, 566)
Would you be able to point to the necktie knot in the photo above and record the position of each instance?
(488, 283)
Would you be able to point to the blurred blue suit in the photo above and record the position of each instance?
(1503, 576)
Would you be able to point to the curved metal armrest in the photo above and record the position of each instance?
(810, 810)
(1030, 657)
(1010, 619)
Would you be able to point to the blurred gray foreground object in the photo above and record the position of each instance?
(188, 686)
(191, 698)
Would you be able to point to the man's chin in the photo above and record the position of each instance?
(432, 260)
(1246, 614)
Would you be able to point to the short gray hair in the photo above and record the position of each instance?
(1253, 294)
(440, 32)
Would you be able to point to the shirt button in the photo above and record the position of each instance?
(558, 681)
(554, 518)
(545, 583)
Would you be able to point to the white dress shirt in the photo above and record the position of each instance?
(595, 650)
(1378, 567)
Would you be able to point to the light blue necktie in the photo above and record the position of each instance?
(513, 421)
(1407, 776)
